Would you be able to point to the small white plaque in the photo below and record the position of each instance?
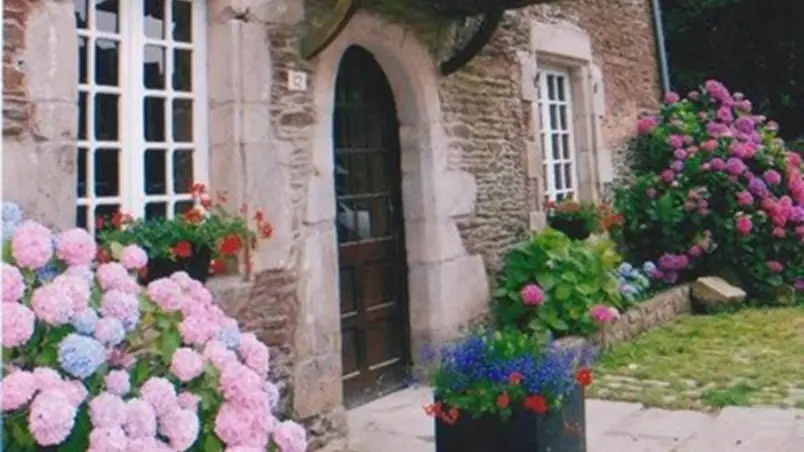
(297, 81)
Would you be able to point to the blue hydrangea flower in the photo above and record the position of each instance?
(47, 273)
(229, 337)
(110, 331)
(625, 269)
(129, 323)
(649, 267)
(84, 322)
(80, 356)
(12, 214)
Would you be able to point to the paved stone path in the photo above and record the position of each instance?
(397, 423)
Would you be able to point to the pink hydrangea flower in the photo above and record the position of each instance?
(646, 125)
(744, 224)
(233, 423)
(254, 353)
(117, 382)
(745, 198)
(120, 305)
(217, 354)
(76, 247)
(182, 278)
(13, 284)
(52, 304)
(139, 419)
(196, 329)
(133, 257)
(772, 177)
(75, 391)
(160, 393)
(532, 295)
(290, 437)
(603, 314)
(150, 444)
(186, 364)
(107, 410)
(238, 383)
(32, 245)
(779, 233)
(243, 449)
(188, 401)
(199, 294)
(775, 266)
(108, 439)
(51, 418)
(166, 293)
(81, 271)
(76, 288)
(17, 389)
(671, 97)
(18, 324)
(113, 276)
(181, 427)
(46, 378)
(109, 331)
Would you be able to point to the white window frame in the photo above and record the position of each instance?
(546, 130)
(132, 92)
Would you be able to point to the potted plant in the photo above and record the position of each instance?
(510, 391)
(575, 219)
(205, 239)
(94, 362)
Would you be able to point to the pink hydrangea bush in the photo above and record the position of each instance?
(715, 190)
(94, 362)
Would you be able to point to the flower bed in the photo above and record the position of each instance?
(94, 362)
(654, 312)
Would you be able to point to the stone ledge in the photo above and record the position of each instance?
(657, 311)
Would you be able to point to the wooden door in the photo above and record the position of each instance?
(371, 242)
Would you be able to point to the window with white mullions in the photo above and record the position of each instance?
(555, 108)
(142, 110)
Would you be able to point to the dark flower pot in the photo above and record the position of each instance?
(466, 8)
(574, 228)
(197, 266)
(562, 430)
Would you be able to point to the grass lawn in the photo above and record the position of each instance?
(753, 357)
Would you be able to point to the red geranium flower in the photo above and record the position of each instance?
(231, 244)
(503, 400)
(182, 249)
(515, 378)
(217, 266)
(536, 403)
(584, 377)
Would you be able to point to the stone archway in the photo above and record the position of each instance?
(447, 286)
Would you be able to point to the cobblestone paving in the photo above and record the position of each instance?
(397, 424)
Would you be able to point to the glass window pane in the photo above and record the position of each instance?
(154, 12)
(83, 59)
(182, 170)
(81, 16)
(106, 62)
(561, 83)
(106, 117)
(381, 217)
(155, 210)
(155, 171)
(182, 120)
(82, 116)
(105, 211)
(557, 176)
(556, 144)
(562, 116)
(565, 147)
(182, 70)
(553, 118)
(81, 170)
(154, 67)
(568, 175)
(180, 207)
(81, 219)
(551, 87)
(154, 116)
(106, 15)
(107, 172)
(182, 20)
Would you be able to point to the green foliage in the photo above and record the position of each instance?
(574, 276)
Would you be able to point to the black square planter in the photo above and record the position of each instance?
(197, 266)
(562, 430)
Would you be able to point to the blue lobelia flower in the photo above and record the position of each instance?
(84, 322)
(80, 356)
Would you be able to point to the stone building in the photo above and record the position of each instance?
(393, 189)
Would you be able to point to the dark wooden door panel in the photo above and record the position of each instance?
(373, 268)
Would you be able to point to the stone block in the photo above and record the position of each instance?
(672, 425)
(433, 241)
(317, 385)
(715, 294)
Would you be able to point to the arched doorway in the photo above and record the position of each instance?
(370, 230)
